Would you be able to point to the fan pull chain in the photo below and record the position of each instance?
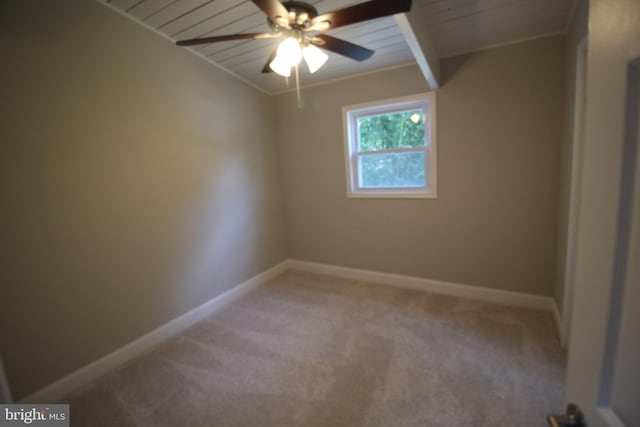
(298, 94)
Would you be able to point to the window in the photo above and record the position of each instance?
(390, 148)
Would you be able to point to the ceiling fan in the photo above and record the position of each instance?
(301, 26)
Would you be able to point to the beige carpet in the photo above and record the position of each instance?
(313, 350)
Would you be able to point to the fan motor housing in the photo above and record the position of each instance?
(300, 16)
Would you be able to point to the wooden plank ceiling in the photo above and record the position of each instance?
(456, 26)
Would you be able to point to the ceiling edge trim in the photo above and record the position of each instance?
(173, 42)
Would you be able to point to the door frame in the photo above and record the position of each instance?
(627, 230)
(579, 109)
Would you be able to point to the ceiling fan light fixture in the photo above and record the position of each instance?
(314, 57)
(299, 19)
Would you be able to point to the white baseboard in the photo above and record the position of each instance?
(497, 296)
(94, 370)
(557, 318)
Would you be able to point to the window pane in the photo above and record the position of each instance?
(389, 131)
(392, 170)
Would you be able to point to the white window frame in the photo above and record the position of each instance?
(425, 101)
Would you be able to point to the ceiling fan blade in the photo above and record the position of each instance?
(203, 40)
(342, 47)
(273, 9)
(266, 69)
(363, 12)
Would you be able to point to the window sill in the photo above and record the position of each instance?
(391, 195)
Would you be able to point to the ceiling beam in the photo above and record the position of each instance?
(417, 35)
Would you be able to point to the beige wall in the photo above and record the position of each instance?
(494, 223)
(577, 31)
(138, 182)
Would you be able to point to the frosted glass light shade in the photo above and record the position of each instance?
(314, 57)
(280, 66)
(289, 52)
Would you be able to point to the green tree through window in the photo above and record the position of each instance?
(391, 131)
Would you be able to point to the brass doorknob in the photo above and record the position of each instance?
(572, 418)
